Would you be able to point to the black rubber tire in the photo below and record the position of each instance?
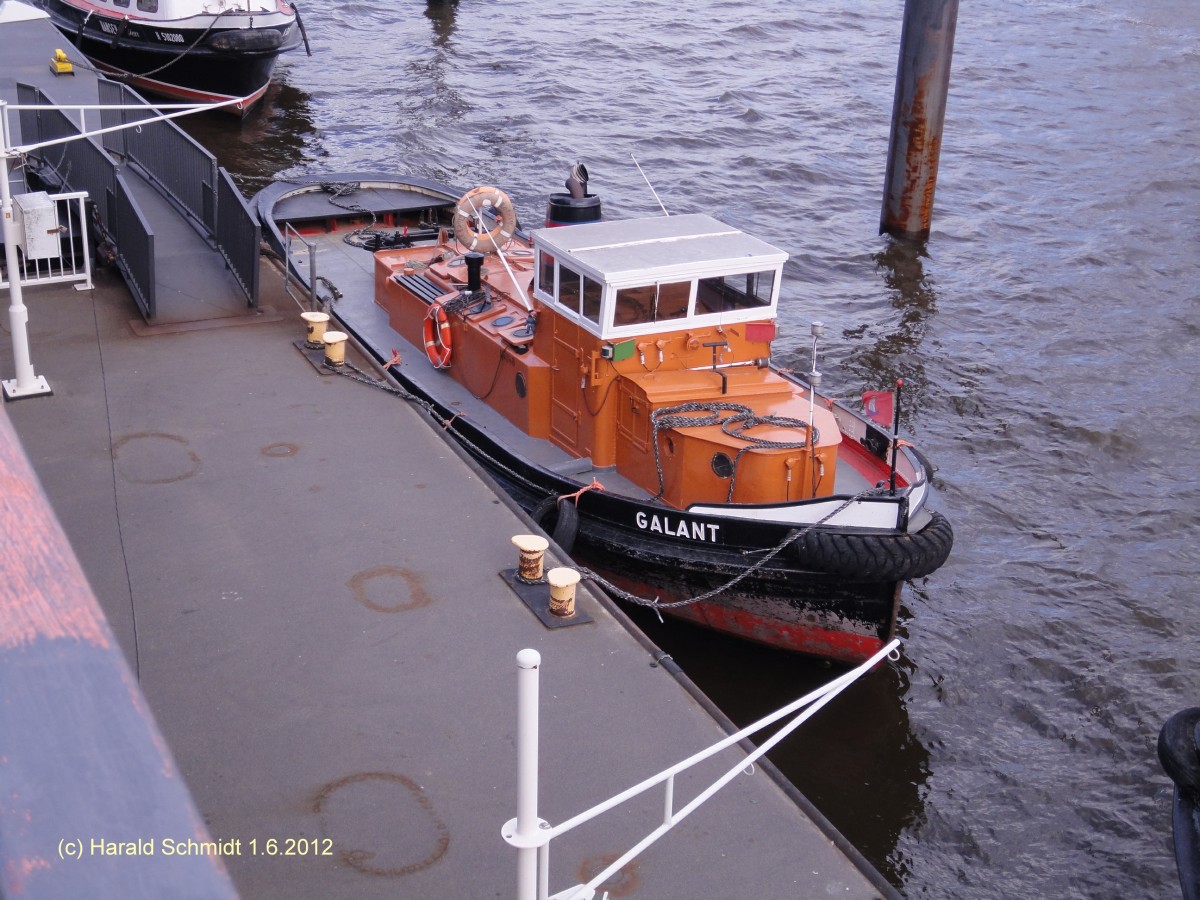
(870, 557)
(1177, 750)
(559, 519)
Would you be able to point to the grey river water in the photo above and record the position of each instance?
(1048, 335)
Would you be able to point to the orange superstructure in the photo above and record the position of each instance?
(574, 337)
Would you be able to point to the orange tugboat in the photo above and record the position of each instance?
(615, 378)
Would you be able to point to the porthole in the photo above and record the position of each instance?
(722, 465)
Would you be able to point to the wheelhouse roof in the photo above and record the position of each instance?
(639, 251)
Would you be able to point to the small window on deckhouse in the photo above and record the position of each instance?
(727, 293)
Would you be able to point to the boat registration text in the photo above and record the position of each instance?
(696, 531)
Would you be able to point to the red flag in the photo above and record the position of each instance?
(880, 406)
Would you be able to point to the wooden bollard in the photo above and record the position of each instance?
(316, 322)
(335, 348)
(533, 551)
(562, 591)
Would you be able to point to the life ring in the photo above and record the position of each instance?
(437, 336)
(469, 213)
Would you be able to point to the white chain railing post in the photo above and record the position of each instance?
(527, 832)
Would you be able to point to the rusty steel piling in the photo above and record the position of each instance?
(918, 112)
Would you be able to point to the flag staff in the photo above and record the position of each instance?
(896, 431)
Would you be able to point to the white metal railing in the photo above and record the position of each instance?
(72, 256)
(531, 835)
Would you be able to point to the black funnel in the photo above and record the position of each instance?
(576, 206)
(474, 270)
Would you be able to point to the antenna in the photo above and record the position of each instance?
(649, 185)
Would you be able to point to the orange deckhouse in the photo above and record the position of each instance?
(639, 329)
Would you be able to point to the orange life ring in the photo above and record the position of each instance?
(469, 214)
(437, 336)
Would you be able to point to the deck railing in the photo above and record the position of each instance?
(532, 836)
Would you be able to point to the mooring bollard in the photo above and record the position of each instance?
(562, 591)
(533, 551)
(335, 349)
(316, 322)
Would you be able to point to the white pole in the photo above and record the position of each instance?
(26, 384)
(528, 662)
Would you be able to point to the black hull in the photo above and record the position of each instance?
(135, 54)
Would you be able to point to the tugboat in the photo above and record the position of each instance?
(615, 378)
(191, 51)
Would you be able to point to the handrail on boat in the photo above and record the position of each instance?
(531, 835)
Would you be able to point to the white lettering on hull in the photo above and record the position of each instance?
(695, 531)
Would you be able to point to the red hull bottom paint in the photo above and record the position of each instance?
(184, 94)
(840, 645)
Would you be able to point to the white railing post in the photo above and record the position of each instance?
(26, 384)
(527, 832)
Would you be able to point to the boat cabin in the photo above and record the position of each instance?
(627, 279)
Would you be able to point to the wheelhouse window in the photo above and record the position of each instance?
(734, 292)
(593, 291)
(545, 272)
(150, 6)
(569, 289)
(646, 304)
(634, 305)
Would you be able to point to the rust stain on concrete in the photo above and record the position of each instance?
(155, 457)
(414, 588)
(621, 884)
(433, 833)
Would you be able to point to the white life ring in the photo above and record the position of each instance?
(468, 216)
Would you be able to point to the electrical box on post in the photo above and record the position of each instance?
(36, 218)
